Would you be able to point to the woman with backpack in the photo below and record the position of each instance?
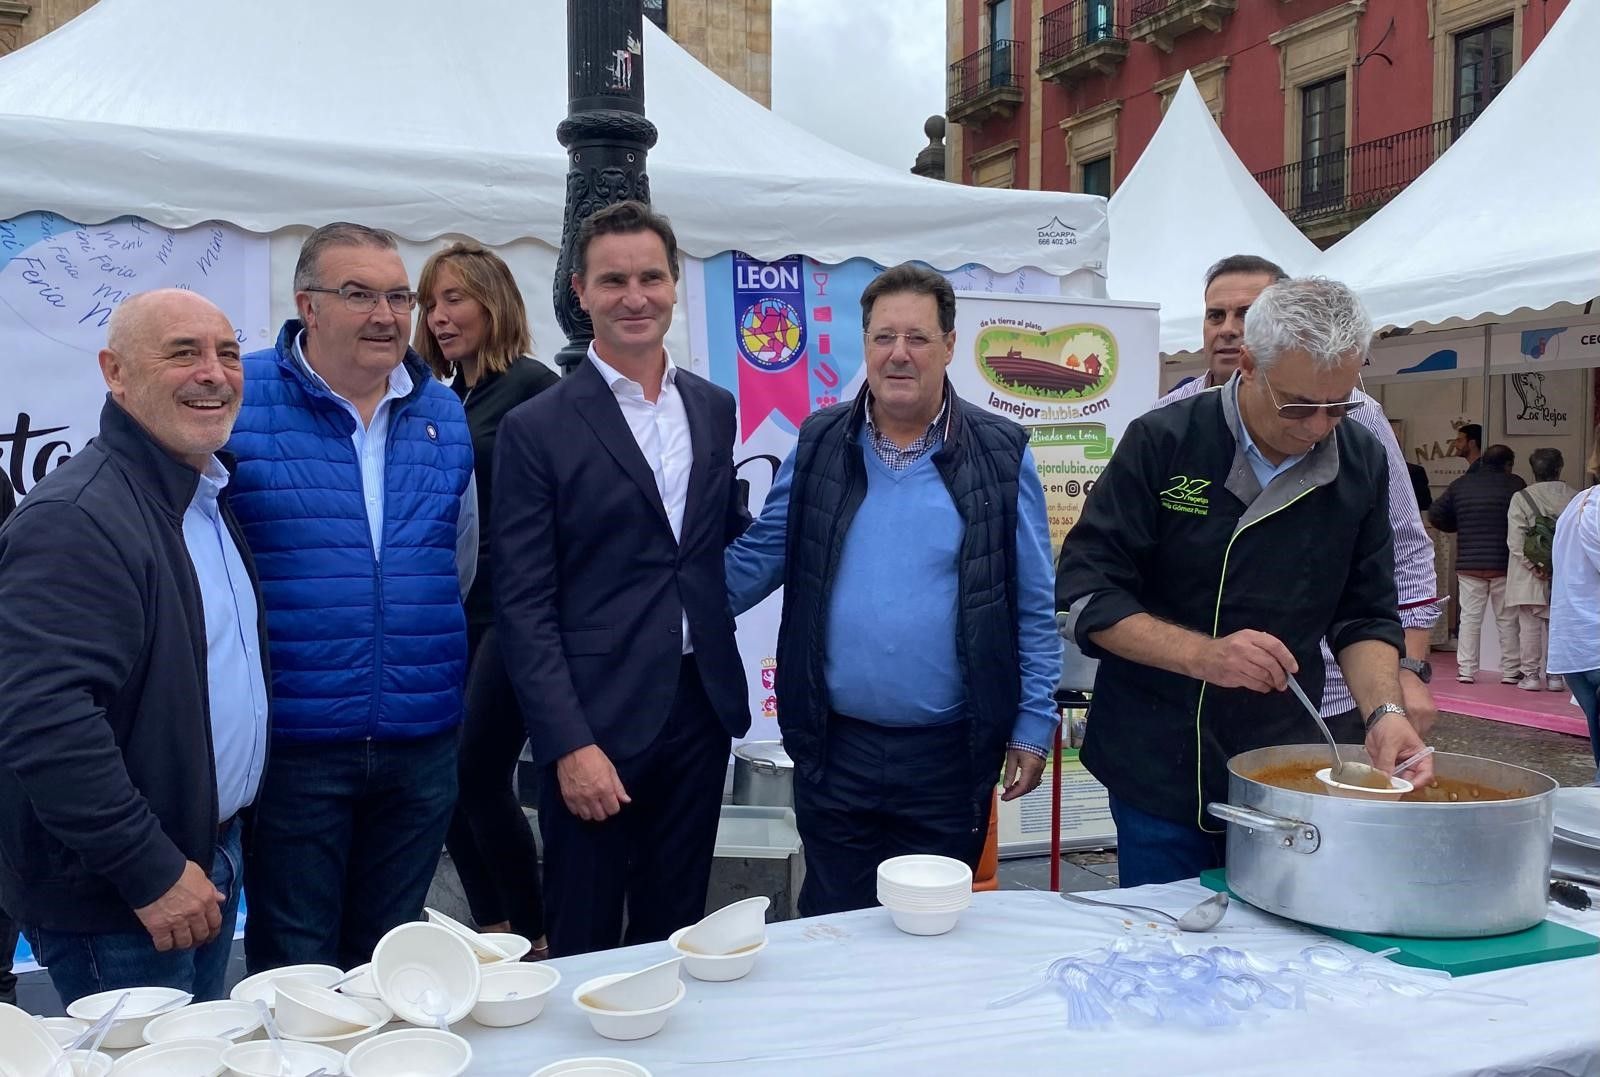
(1530, 527)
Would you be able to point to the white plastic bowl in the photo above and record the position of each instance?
(634, 991)
(361, 984)
(26, 1045)
(515, 947)
(716, 968)
(921, 872)
(960, 898)
(731, 928)
(592, 1067)
(143, 1005)
(260, 986)
(623, 1024)
(410, 1052)
(259, 1058)
(63, 1029)
(513, 993)
(89, 1063)
(206, 1020)
(305, 1010)
(1398, 787)
(194, 1057)
(924, 923)
(484, 947)
(415, 958)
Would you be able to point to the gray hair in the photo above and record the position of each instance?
(1314, 315)
(337, 234)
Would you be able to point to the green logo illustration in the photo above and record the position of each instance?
(1183, 494)
(1071, 362)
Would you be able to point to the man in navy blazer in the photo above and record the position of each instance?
(614, 498)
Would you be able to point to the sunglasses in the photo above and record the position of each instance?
(1295, 412)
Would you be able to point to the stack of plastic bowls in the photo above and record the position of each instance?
(924, 894)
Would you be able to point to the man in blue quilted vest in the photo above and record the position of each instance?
(354, 487)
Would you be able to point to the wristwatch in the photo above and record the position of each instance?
(1419, 666)
(1377, 715)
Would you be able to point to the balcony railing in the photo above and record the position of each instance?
(990, 79)
(1080, 38)
(1144, 9)
(1076, 25)
(1361, 178)
(1162, 22)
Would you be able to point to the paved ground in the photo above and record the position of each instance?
(1567, 759)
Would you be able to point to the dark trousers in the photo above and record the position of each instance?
(82, 964)
(490, 840)
(654, 856)
(884, 792)
(1151, 849)
(8, 954)
(346, 839)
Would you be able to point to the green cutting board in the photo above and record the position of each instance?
(1548, 941)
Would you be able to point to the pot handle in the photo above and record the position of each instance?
(763, 766)
(1298, 836)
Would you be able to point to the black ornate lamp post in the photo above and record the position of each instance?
(606, 136)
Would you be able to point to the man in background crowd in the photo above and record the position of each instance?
(355, 491)
(1232, 285)
(1468, 444)
(1527, 581)
(1475, 508)
(133, 690)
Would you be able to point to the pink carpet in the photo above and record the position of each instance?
(1488, 698)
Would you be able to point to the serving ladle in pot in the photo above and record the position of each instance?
(1352, 773)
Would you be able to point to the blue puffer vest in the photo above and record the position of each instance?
(359, 648)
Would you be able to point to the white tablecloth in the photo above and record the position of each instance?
(850, 994)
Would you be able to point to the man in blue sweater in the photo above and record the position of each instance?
(918, 649)
(354, 487)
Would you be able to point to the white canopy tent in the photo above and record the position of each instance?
(279, 117)
(1508, 219)
(1187, 202)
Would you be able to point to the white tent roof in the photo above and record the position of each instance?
(1187, 202)
(427, 120)
(1509, 217)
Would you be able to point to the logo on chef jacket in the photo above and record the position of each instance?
(1183, 494)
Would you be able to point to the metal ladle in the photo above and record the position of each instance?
(1357, 774)
(1203, 917)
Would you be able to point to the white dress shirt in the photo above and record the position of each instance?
(371, 442)
(1575, 590)
(661, 430)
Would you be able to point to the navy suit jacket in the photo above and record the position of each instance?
(590, 585)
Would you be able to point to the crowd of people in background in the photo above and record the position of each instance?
(289, 620)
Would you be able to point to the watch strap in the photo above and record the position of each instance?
(1379, 712)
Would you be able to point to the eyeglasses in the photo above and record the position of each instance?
(365, 301)
(1335, 409)
(916, 342)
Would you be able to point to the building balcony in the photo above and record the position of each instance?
(1161, 22)
(988, 83)
(1329, 194)
(1081, 38)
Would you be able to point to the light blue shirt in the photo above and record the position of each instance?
(1265, 470)
(235, 684)
(904, 689)
(371, 442)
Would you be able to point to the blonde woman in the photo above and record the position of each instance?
(474, 334)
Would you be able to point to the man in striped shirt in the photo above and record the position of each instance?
(1231, 286)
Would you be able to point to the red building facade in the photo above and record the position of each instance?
(1335, 105)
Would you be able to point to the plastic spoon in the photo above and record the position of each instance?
(271, 1026)
(1413, 761)
(1203, 917)
(91, 1036)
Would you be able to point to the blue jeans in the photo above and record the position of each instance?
(1585, 688)
(1151, 849)
(346, 839)
(82, 965)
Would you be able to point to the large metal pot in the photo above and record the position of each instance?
(1454, 870)
(763, 774)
